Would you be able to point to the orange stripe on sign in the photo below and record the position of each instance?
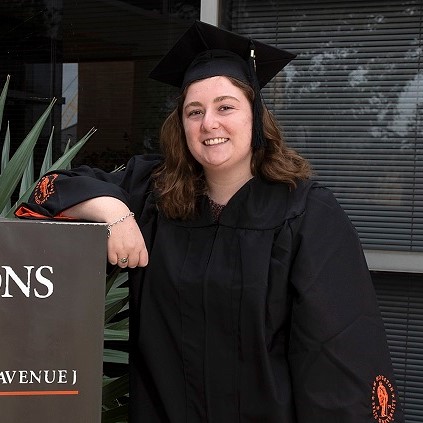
(27, 393)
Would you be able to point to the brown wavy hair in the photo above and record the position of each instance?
(180, 181)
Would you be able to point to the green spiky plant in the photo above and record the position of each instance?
(115, 389)
(19, 169)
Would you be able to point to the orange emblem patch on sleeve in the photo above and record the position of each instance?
(45, 188)
(384, 400)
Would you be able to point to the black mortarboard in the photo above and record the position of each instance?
(204, 51)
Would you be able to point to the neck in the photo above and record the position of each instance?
(221, 187)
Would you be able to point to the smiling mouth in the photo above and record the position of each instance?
(215, 141)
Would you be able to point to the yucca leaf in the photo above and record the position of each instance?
(6, 145)
(5, 153)
(115, 298)
(60, 163)
(4, 160)
(115, 388)
(27, 177)
(115, 356)
(117, 280)
(114, 308)
(111, 278)
(115, 335)
(12, 174)
(119, 325)
(3, 96)
(67, 147)
(115, 415)
(70, 153)
(116, 294)
(48, 156)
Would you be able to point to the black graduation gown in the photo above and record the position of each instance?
(267, 316)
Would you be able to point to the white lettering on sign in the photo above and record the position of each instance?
(64, 377)
(35, 283)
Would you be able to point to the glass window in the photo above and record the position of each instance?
(94, 56)
(351, 103)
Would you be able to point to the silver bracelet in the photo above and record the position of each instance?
(109, 226)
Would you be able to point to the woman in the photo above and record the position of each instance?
(250, 297)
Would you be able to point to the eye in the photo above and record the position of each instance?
(195, 112)
(226, 107)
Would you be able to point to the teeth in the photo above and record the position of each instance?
(214, 141)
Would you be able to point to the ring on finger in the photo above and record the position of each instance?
(124, 260)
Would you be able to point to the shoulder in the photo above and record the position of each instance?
(312, 205)
(140, 168)
(145, 162)
(322, 202)
(271, 204)
(310, 195)
(319, 212)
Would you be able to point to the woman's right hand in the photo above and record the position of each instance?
(125, 245)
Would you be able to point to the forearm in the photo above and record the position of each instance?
(98, 209)
(126, 245)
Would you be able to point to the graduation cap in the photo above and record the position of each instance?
(204, 51)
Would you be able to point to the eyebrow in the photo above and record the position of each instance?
(224, 97)
(216, 100)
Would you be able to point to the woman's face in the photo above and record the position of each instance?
(217, 119)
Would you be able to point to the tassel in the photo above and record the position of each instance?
(259, 141)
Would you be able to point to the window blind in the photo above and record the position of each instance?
(351, 103)
(401, 302)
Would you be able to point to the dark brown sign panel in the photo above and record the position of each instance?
(51, 321)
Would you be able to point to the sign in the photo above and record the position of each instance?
(52, 288)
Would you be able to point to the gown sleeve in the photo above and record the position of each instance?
(339, 359)
(56, 191)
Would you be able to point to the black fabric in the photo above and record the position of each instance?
(215, 63)
(202, 37)
(268, 315)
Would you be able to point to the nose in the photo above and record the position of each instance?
(210, 121)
